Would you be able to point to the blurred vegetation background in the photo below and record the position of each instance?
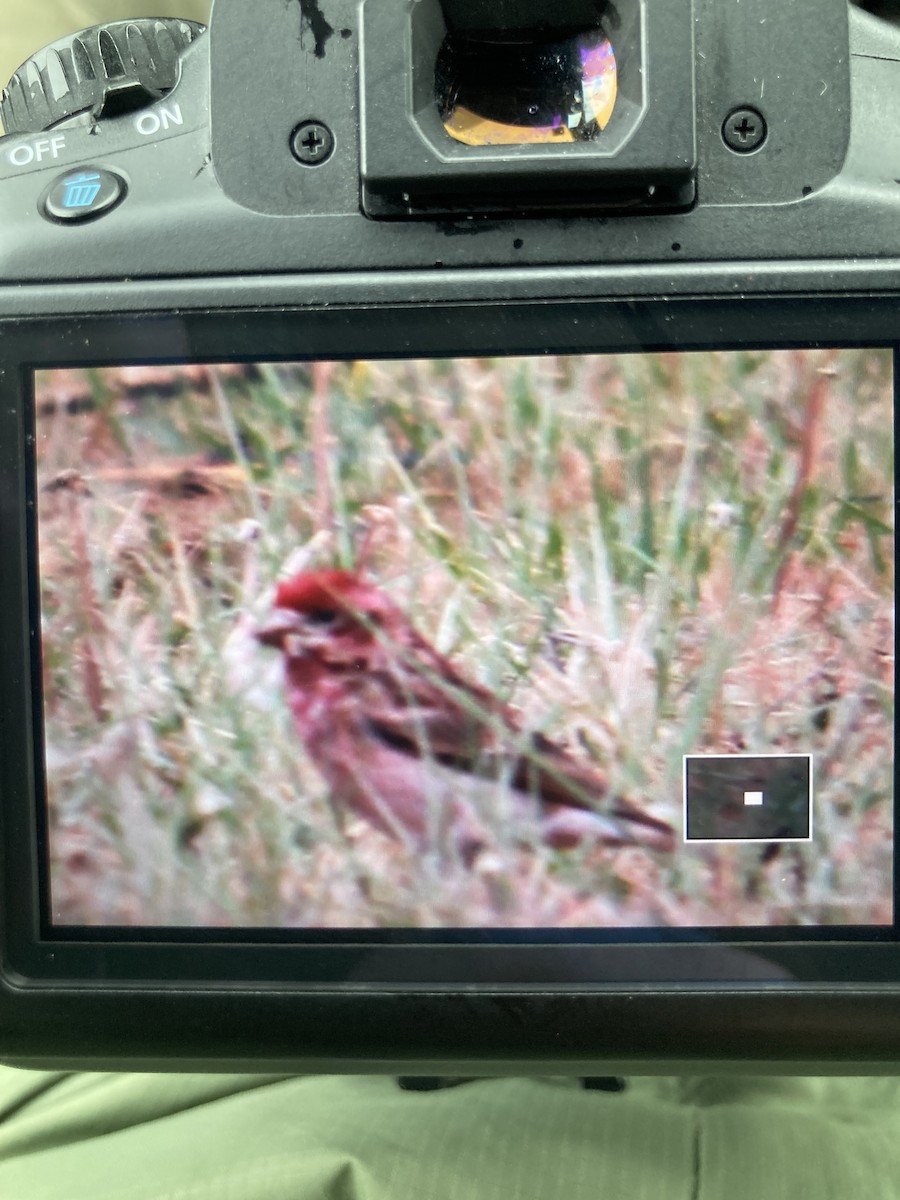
(646, 555)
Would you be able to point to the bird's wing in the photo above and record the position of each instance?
(559, 779)
(419, 703)
(416, 702)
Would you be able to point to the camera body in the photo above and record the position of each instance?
(217, 152)
(291, 191)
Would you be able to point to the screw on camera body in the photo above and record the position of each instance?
(312, 143)
(744, 130)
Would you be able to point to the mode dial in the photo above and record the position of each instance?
(102, 71)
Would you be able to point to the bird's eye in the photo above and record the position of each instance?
(322, 616)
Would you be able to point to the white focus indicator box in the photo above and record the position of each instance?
(748, 798)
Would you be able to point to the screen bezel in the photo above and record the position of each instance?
(404, 958)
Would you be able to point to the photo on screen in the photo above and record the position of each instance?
(599, 642)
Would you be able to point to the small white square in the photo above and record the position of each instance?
(753, 798)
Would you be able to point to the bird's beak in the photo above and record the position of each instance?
(280, 626)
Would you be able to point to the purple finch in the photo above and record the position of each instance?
(402, 738)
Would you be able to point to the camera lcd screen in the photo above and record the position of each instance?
(599, 643)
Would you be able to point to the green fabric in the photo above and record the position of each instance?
(192, 1137)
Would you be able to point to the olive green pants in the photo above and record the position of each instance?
(226, 1137)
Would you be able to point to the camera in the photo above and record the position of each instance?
(448, 509)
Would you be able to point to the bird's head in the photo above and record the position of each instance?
(327, 607)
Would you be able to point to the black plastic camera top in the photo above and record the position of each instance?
(635, 132)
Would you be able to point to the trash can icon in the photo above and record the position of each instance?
(80, 191)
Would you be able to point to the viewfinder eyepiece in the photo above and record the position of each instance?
(500, 106)
(496, 91)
